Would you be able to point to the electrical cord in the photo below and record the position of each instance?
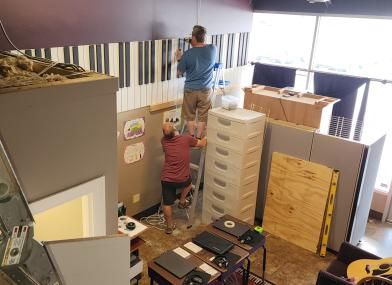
(157, 220)
(65, 66)
(9, 40)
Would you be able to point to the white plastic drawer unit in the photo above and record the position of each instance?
(214, 209)
(233, 198)
(234, 128)
(226, 154)
(208, 218)
(231, 173)
(238, 122)
(230, 192)
(240, 145)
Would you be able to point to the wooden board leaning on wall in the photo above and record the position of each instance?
(296, 200)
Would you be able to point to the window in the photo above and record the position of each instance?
(282, 39)
(354, 46)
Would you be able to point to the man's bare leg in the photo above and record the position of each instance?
(167, 212)
(191, 127)
(200, 129)
(184, 193)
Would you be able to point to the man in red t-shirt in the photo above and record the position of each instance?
(175, 173)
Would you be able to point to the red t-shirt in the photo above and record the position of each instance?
(177, 158)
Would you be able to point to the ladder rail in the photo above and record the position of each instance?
(192, 210)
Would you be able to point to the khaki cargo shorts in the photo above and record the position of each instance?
(196, 100)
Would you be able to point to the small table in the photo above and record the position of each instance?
(234, 240)
(135, 242)
(207, 257)
(162, 276)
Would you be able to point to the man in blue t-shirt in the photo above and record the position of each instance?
(197, 63)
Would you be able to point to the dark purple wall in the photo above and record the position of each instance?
(343, 7)
(48, 23)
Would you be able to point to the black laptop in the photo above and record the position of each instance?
(237, 230)
(212, 243)
(175, 264)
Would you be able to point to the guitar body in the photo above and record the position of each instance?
(369, 267)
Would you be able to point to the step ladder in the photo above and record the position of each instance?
(198, 169)
(218, 82)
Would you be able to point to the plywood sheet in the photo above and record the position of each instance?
(296, 199)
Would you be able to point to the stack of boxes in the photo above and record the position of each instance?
(234, 144)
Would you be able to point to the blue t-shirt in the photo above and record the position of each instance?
(198, 64)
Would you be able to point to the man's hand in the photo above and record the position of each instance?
(178, 54)
(202, 142)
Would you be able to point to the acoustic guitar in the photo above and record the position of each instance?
(362, 268)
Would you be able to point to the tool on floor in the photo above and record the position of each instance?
(328, 214)
(259, 229)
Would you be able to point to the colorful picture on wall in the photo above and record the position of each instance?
(134, 153)
(134, 128)
(173, 116)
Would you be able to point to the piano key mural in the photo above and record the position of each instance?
(147, 70)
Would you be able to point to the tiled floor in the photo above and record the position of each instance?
(286, 263)
(378, 238)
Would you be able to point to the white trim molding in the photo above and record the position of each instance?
(94, 204)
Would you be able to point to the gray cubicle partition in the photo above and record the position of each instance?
(346, 156)
(98, 261)
(62, 134)
(369, 176)
(357, 162)
(276, 137)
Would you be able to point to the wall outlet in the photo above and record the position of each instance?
(136, 198)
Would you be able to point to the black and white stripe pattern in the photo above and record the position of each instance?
(146, 70)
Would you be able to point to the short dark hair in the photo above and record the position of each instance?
(169, 135)
(199, 32)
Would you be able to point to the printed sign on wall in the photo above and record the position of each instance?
(173, 116)
(134, 128)
(134, 152)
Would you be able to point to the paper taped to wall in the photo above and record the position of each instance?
(134, 128)
(134, 152)
(173, 116)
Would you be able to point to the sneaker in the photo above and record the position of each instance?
(184, 205)
(169, 231)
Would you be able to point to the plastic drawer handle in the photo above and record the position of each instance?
(224, 122)
(220, 165)
(246, 208)
(222, 151)
(247, 195)
(218, 196)
(217, 209)
(220, 183)
(223, 137)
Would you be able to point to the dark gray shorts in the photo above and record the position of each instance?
(169, 190)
